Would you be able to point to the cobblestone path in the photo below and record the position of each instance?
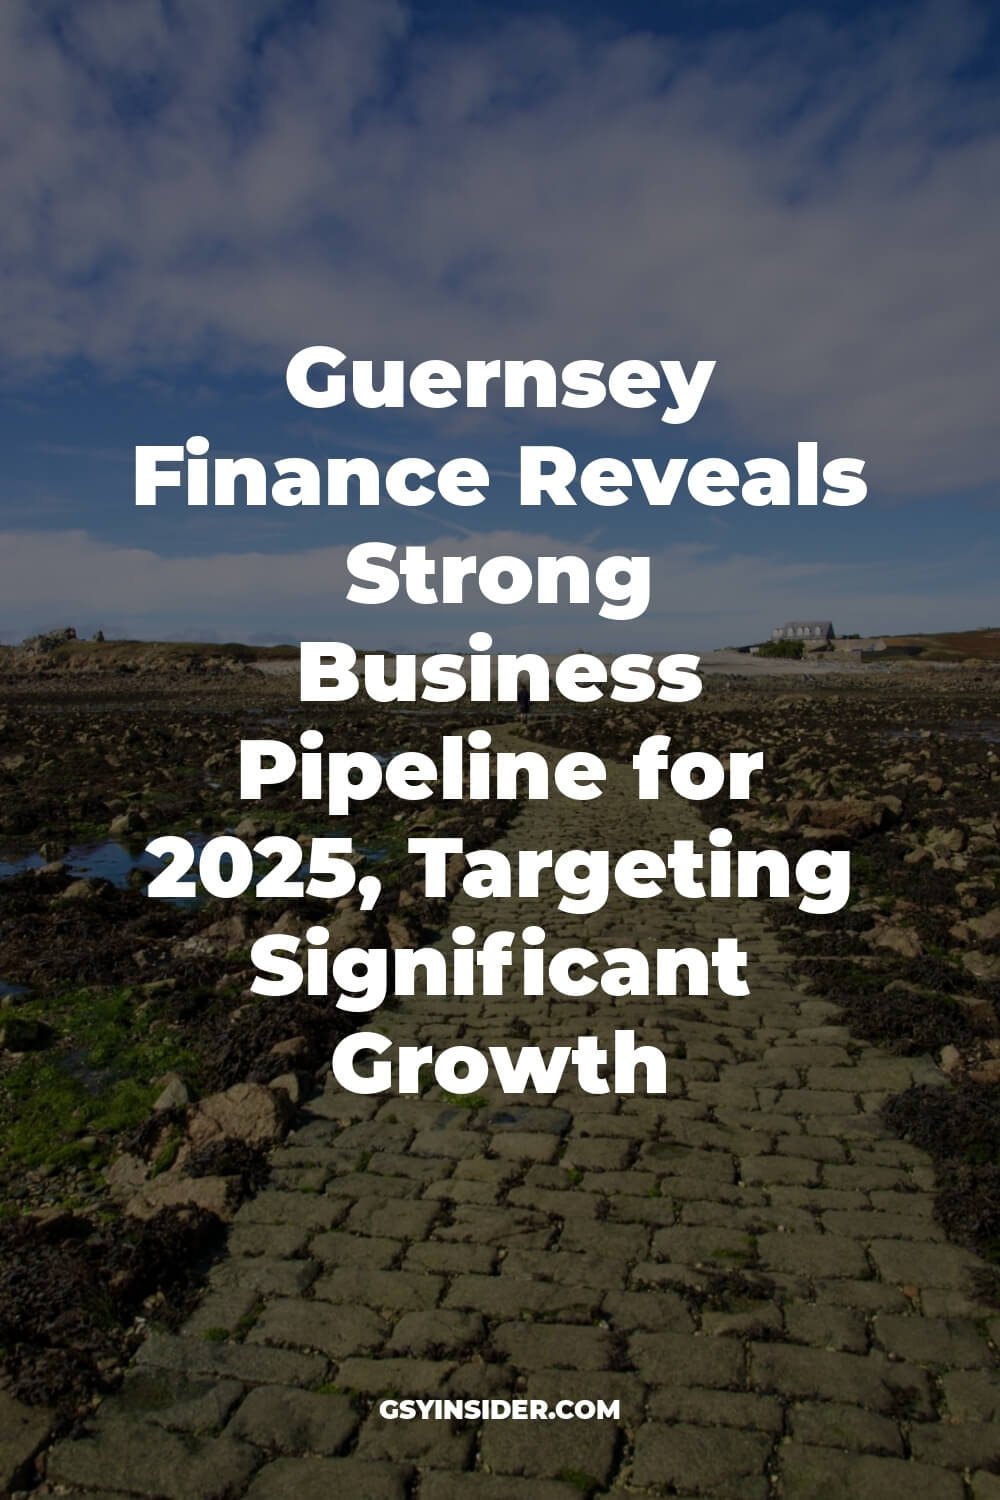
(751, 1266)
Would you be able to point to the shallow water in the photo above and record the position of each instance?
(107, 860)
(115, 862)
(11, 866)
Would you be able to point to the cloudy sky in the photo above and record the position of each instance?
(805, 194)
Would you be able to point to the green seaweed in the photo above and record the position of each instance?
(65, 1105)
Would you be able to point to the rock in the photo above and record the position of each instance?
(126, 823)
(349, 930)
(902, 940)
(951, 1059)
(252, 828)
(229, 932)
(84, 890)
(986, 1072)
(58, 1223)
(288, 1083)
(22, 1034)
(156, 988)
(217, 1195)
(293, 1047)
(945, 840)
(173, 1093)
(23, 1430)
(247, 1112)
(197, 947)
(852, 817)
(399, 933)
(986, 927)
(982, 965)
(125, 1175)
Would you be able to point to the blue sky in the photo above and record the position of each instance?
(806, 195)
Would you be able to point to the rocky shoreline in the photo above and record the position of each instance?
(143, 1087)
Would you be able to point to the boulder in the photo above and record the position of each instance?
(197, 947)
(289, 1085)
(228, 932)
(982, 965)
(125, 1175)
(350, 929)
(247, 1112)
(399, 933)
(126, 823)
(173, 1093)
(293, 1047)
(902, 940)
(986, 927)
(252, 828)
(851, 817)
(57, 1223)
(84, 890)
(945, 840)
(217, 1195)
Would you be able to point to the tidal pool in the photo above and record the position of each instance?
(107, 860)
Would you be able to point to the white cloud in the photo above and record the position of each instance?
(702, 597)
(813, 205)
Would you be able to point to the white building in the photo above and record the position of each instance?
(804, 630)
